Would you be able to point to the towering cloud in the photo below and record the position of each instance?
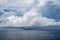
(31, 18)
(26, 13)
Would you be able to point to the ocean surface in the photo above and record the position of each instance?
(17, 34)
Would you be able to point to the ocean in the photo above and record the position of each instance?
(17, 34)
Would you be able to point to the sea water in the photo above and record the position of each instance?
(14, 34)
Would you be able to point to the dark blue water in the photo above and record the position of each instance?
(10, 34)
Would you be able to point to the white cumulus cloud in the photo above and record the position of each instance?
(31, 16)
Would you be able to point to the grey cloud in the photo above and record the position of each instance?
(51, 10)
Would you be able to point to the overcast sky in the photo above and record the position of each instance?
(29, 13)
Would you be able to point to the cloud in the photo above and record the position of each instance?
(15, 2)
(31, 18)
(26, 13)
(57, 2)
(51, 10)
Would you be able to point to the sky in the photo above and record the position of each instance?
(19, 13)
